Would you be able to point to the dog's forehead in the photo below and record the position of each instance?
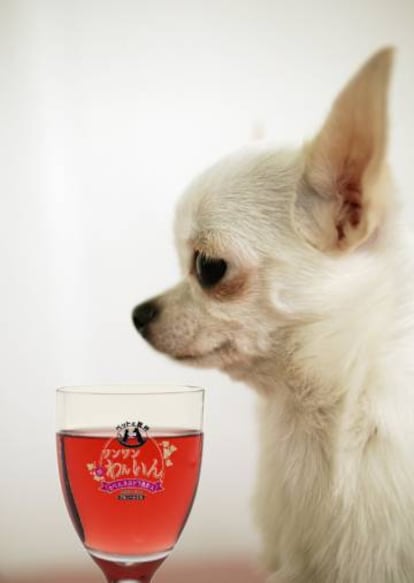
(241, 196)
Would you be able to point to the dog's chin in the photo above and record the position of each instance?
(224, 356)
(214, 358)
(220, 357)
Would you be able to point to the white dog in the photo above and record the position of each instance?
(299, 281)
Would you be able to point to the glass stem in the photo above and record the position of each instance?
(128, 581)
(141, 572)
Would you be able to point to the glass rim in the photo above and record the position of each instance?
(132, 389)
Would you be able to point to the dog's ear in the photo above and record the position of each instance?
(343, 187)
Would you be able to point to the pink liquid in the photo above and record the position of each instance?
(126, 500)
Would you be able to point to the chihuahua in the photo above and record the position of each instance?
(298, 280)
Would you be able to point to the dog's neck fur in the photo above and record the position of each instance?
(321, 369)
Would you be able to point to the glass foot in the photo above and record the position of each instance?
(125, 569)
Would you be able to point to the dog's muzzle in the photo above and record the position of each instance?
(143, 315)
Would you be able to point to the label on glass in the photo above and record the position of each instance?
(132, 464)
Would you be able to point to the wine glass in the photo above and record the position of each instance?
(129, 465)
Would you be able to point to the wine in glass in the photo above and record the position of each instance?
(129, 464)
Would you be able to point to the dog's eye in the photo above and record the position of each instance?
(209, 271)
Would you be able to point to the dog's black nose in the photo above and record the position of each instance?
(143, 315)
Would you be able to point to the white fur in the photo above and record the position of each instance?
(325, 335)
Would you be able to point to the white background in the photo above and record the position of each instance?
(107, 110)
